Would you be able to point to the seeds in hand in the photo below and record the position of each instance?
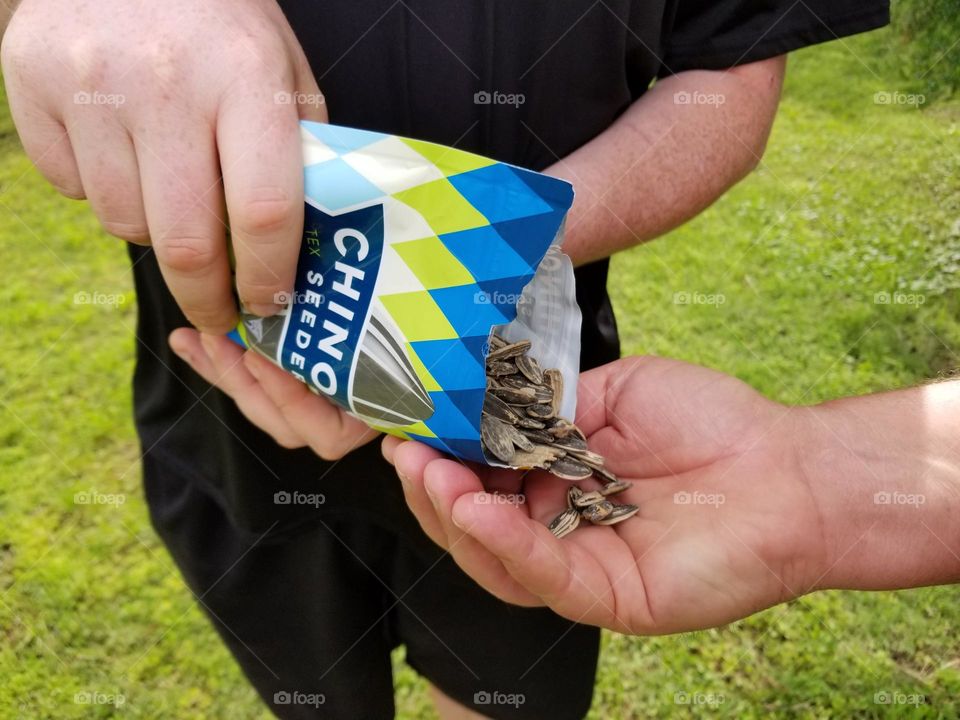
(520, 426)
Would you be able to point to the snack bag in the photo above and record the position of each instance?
(413, 255)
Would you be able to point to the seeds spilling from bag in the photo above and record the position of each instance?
(520, 426)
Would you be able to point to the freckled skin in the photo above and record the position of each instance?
(142, 108)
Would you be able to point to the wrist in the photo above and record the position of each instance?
(885, 476)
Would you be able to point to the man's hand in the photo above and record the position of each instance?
(270, 398)
(169, 117)
(744, 503)
(727, 524)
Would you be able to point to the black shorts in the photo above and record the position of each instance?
(312, 617)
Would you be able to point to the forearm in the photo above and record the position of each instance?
(885, 472)
(664, 161)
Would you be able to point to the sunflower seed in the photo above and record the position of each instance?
(618, 515)
(496, 342)
(530, 369)
(598, 511)
(544, 395)
(554, 380)
(585, 499)
(571, 443)
(564, 429)
(590, 459)
(612, 488)
(498, 368)
(516, 382)
(496, 438)
(540, 457)
(519, 439)
(509, 351)
(604, 475)
(570, 469)
(520, 427)
(528, 423)
(539, 410)
(540, 436)
(515, 396)
(497, 408)
(564, 523)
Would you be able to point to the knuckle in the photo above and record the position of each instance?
(270, 59)
(264, 215)
(209, 320)
(74, 192)
(260, 288)
(135, 232)
(187, 255)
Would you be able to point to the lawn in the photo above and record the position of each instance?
(856, 203)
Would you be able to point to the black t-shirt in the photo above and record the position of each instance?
(412, 69)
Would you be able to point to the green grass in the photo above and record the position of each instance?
(853, 199)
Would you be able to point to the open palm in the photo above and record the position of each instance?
(727, 524)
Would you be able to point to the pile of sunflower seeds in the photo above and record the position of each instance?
(520, 426)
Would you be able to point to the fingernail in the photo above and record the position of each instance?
(263, 309)
(404, 479)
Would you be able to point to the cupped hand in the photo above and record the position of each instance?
(270, 398)
(727, 523)
(170, 117)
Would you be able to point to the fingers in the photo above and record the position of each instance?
(109, 172)
(220, 362)
(445, 482)
(410, 460)
(312, 105)
(182, 203)
(258, 137)
(431, 484)
(562, 574)
(328, 430)
(48, 146)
